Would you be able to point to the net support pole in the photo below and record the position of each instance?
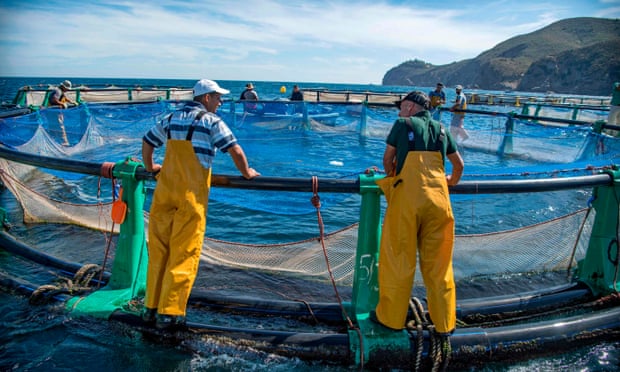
(233, 113)
(599, 268)
(373, 342)
(506, 145)
(526, 109)
(363, 119)
(129, 268)
(365, 289)
(305, 117)
(128, 278)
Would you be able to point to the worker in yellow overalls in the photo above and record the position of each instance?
(178, 212)
(419, 218)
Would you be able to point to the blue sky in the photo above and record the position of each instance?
(262, 40)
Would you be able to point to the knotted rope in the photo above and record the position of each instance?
(440, 347)
(76, 286)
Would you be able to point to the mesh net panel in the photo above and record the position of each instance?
(545, 246)
(534, 142)
(96, 132)
(304, 258)
(39, 208)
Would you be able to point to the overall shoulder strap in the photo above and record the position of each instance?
(198, 117)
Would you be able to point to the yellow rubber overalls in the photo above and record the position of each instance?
(418, 219)
(176, 228)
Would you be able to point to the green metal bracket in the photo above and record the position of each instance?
(538, 108)
(128, 278)
(597, 127)
(376, 339)
(526, 109)
(46, 98)
(575, 113)
(600, 267)
(365, 289)
(20, 97)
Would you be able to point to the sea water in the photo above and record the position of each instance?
(47, 338)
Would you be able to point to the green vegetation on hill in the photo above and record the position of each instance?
(572, 56)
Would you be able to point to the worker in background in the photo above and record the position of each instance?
(58, 95)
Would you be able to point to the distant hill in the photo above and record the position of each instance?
(572, 56)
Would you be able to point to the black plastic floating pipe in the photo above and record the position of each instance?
(307, 345)
(320, 311)
(553, 297)
(324, 312)
(490, 341)
(24, 288)
(498, 340)
(325, 184)
(325, 346)
(536, 185)
(12, 245)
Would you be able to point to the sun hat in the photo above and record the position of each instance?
(458, 87)
(66, 84)
(205, 86)
(249, 86)
(416, 97)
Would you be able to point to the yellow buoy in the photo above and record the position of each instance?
(282, 89)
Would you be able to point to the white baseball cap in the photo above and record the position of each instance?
(458, 87)
(205, 86)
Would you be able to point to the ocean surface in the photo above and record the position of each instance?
(35, 338)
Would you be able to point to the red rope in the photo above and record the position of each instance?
(108, 238)
(106, 169)
(316, 201)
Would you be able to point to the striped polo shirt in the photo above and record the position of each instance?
(210, 132)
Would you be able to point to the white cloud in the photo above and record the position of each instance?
(331, 41)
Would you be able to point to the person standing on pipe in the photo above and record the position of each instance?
(178, 213)
(418, 218)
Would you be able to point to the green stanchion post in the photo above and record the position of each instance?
(378, 342)
(575, 113)
(365, 289)
(128, 278)
(20, 98)
(506, 146)
(46, 98)
(599, 268)
(597, 127)
(526, 109)
(131, 245)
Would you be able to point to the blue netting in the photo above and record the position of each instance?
(330, 141)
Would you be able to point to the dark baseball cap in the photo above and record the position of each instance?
(416, 97)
